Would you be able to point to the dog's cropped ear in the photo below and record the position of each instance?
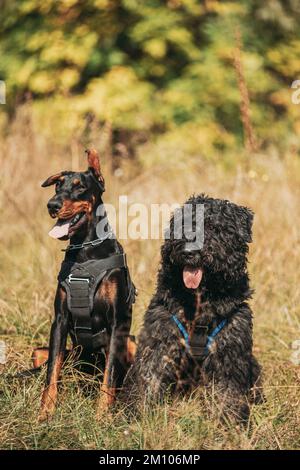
(52, 179)
(94, 166)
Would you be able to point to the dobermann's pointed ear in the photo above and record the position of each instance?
(94, 164)
(52, 180)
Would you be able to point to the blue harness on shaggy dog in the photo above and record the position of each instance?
(194, 348)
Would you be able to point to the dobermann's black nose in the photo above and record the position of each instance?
(53, 206)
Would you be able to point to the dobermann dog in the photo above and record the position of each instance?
(94, 296)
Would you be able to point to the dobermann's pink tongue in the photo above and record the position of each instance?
(60, 229)
(192, 277)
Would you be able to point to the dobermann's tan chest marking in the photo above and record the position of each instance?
(108, 290)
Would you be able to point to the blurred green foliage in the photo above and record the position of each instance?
(164, 67)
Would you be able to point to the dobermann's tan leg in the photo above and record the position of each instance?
(131, 350)
(57, 348)
(107, 291)
(40, 356)
(107, 393)
(49, 396)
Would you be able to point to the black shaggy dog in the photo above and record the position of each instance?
(198, 327)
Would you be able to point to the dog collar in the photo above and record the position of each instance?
(210, 338)
(95, 242)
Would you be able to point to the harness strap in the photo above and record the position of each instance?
(210, 338)
(182, 330)
(91, 268)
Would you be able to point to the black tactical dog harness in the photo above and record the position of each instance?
(81, 280)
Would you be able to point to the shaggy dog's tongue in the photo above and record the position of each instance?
(60, 229)
(192, 277)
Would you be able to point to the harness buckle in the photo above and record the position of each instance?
(71, 279)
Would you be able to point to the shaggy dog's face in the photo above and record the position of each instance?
(223, 256)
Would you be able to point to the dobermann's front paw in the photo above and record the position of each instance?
(48, 406)
(46, 412)
(44, 415)
(106, 401)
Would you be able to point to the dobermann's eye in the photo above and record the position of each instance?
(58, 186)
(77, 186)
(81, 189)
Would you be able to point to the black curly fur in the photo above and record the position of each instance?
(163, 363)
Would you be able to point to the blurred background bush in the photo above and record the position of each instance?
(154, 68)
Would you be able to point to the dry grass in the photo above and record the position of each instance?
(30, 261)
